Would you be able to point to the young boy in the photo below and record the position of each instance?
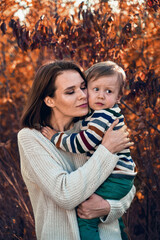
(105, 88)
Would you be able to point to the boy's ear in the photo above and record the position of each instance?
(49, 101)
(119, 98)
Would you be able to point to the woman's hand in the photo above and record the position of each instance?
(94, 207)
(116, 140)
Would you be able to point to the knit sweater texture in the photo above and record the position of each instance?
(58, 181)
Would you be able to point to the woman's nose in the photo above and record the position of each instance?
(82, 94)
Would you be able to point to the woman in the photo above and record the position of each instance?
(59, 181)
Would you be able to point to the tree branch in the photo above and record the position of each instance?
(150, 124)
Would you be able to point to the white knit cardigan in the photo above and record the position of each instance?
(58, 181)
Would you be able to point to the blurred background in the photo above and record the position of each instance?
(127, 32)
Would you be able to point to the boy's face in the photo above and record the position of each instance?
(103, 92)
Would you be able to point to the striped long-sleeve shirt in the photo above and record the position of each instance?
(90, 136)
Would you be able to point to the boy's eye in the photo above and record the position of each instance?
(96, 89)
(108, 91)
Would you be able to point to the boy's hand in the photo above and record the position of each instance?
(48, 132)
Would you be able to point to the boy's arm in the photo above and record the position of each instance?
(85, 140)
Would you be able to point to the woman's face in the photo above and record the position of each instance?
(70, 99)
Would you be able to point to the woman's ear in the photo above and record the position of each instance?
(49, 101)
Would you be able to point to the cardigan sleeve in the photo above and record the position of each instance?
(47, 170)
(119, 207)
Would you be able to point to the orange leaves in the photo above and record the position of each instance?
(153, 4)
(5, 100)
(140, 195)
(158, 166)
(14, 220)
(129, 35)
(3, 27)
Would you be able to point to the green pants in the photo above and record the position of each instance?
(112, 188)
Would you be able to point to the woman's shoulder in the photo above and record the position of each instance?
(26, 134)
(27, 131)
(31, 138)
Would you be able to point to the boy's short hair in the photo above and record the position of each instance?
(106, 68)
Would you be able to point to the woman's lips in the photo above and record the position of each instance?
(84, 105)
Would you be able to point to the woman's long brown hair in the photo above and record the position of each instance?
(36, 113)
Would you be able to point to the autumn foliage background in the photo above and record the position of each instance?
(88, 34)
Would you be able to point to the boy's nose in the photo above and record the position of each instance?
(101, 94)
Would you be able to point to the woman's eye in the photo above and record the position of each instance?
(70, 92)
(96, 89)
(83, 87)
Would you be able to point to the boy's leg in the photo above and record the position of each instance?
(88, 228)
(122, 227)
(108, 190)
(116, 189)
